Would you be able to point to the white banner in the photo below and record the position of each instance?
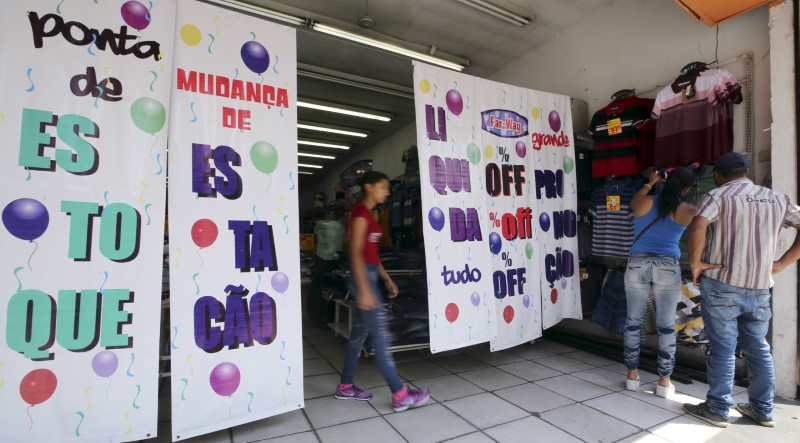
(496, 162)
(84, 96)
(233, 222)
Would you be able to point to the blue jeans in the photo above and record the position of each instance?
(662, 275)
(372, 323)
(730, 312)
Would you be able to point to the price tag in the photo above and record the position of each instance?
(615, 126)
(613, 203)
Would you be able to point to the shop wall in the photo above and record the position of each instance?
(386, 157)
(642, 44)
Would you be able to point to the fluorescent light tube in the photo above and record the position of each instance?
(308, 154)
(364, 40)
(331, 130)
(305, 172)
(498, 11)
(305, 103)
(306, 165)
(259, 11)
(322, 144)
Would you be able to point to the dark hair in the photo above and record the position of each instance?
(372, 177)
(670, 197)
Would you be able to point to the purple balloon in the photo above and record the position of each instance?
(495, 243)
(563, 283)
(554, 120)
(135, 14)
(255, 56)
(26, 218)
(225, 379)
(280, 282)
(454, 101)
(544, 221)
(436, 218)
(526, 300)
(475, 298)
(105, 363)
(521, 149)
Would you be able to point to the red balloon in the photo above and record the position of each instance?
(204, 232)
(451, 312)
(554, 296)
(508, 314)
(37, 386)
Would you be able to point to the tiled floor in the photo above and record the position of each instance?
(544, 392)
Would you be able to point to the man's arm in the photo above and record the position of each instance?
(790, 256)
(697, 241)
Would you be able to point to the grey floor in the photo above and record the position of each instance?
(544, 392)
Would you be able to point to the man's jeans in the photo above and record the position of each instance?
(728, 312)
(372, 323)
(662, 274)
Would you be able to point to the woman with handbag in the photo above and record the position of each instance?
(659, 221)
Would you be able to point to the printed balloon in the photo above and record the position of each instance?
(563, 283)
(225, 378)
(26, 218)
(536, 113)
(526, 300)
(544, 221)
(148, 114)
(554, 120)
(37, 386)
(280, 282)
(451, 312)
(488, 151)
(475, 298)
(495, 243)
(105, 363)
(436, 218)
(204, 233)
(255, 56)
(264, 157)
(569, 164)
(135, 15)
(554, 295)
(190, 34)
(473, 153)
(454, 102)
(425, 86)
(529, 250)
(508, 314)
(521, 149)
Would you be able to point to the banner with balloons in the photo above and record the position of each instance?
(84, 97)
(496, 163)
(236, 339)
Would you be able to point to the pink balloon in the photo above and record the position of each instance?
(521, 149)
(225, 379)
(135, 14)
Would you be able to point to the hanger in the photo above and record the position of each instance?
(623, 93)
(694, 67)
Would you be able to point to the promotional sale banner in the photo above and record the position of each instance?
(84, 99)
(236, 339)
(498, 190)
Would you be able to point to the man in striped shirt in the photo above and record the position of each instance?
(732, 242)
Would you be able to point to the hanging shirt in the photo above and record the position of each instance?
(373, 235)
(618, 143)
(612, 232)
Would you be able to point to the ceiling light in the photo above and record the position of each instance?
(332, 130)
(261, 12)
(308, 154)
(364, 40)
(341, 109)
(306, 165)
(357, 81)
(305, 172)
(322, 144)
(501, 9)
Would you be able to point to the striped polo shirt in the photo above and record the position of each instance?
(745, 220)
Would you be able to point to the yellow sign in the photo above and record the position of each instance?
(614, 126)
(612, 203)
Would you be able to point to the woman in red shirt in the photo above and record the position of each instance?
(365, 268)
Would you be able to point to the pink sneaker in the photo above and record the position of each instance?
(414, 398)
(352, 393)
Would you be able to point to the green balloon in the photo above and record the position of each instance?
(569, 164)
(148, 114)
(473, 154)
(264, 157)
(529, 250)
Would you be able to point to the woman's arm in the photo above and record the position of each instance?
(641, 203)
(365, 299)
(390, 284)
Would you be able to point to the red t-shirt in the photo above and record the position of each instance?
(373, 236)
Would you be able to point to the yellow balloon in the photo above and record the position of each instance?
(488, 151)
(425, 86)
(190, 34)
(537, 113)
